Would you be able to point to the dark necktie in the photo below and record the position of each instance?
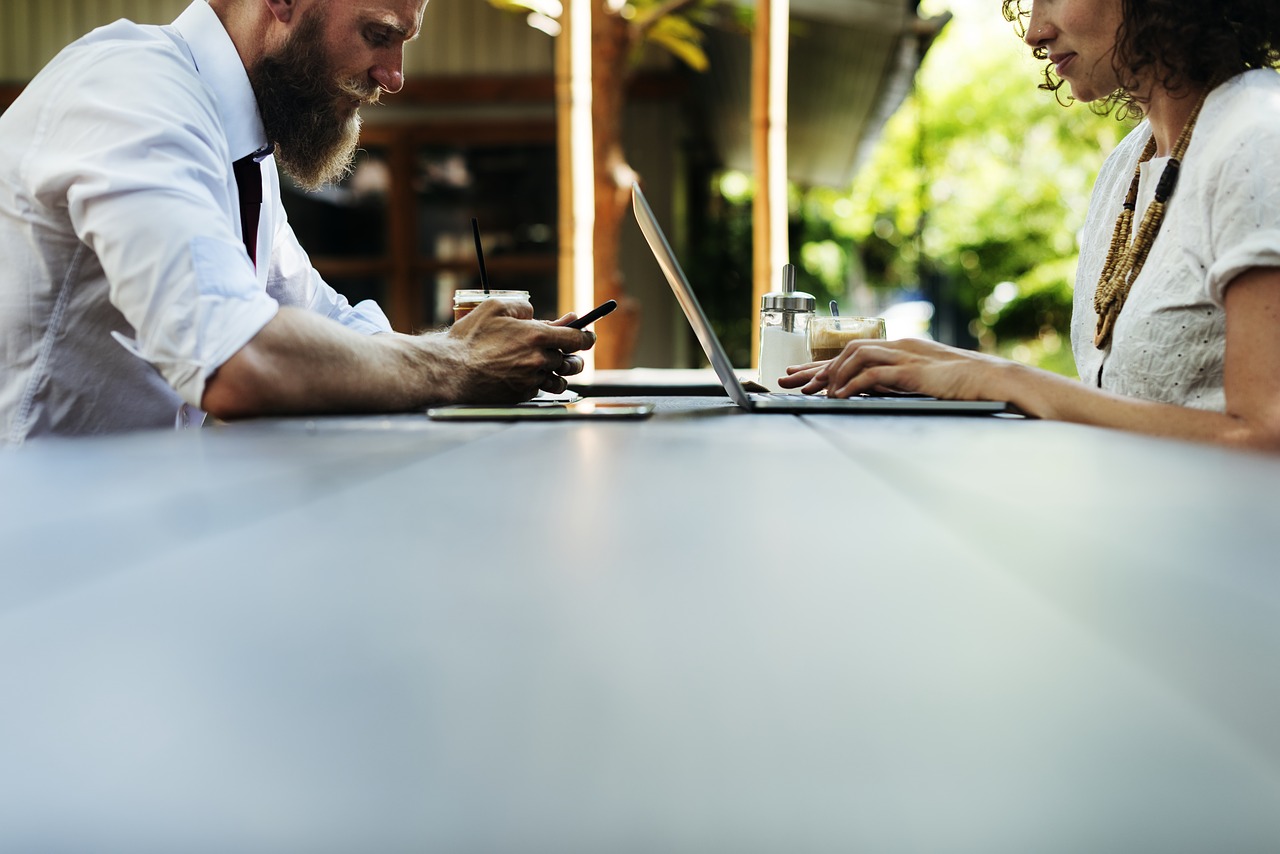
(248, 172)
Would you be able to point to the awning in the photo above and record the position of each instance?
(852, 64)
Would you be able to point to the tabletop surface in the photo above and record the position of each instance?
(705, 631)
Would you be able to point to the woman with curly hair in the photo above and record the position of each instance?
(1176, 325)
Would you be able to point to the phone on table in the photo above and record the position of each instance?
(536, 411)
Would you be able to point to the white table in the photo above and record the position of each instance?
(709, 631)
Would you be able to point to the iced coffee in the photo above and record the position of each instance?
(465, 301)
(829, 335)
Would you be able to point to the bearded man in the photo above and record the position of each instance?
(149, 273)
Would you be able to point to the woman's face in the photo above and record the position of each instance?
(1080, 38)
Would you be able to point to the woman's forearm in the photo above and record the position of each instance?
(1046, 395)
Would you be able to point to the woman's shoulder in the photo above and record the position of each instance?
(1241, 115)
(1249, 87)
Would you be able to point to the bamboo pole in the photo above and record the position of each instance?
(564, 169)
(769, 54)
(576, 180)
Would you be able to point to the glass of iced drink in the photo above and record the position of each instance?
(828, 335)
(465, 301)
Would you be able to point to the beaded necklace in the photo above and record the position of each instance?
(1124, 259)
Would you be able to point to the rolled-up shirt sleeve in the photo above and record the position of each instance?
(154, 200)
(1244, 210)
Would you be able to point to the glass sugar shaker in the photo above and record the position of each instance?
(784, 324)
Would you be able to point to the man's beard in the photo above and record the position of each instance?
(306, 111)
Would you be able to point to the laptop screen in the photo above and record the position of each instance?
(794, 403)
(688, 302)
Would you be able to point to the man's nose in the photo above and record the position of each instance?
(389, 76)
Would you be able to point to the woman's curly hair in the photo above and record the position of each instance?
(1184, 43)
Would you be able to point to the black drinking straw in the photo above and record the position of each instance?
(484, 277)
(835, 309)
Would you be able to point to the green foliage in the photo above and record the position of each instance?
(978, 184)
(677, 30)
(973, 195)
(987, 177)
(542, 7)
(1040, 303)
(682, 38)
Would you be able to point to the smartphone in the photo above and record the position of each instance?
(541, 411)
(594, 315)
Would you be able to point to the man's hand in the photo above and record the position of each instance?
(505, 356)
(302, 362)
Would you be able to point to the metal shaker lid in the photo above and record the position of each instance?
(788, 299)
(794, 301)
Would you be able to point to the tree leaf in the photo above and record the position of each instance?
(682, 39)
(550, 8)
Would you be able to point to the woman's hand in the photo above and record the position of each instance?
(909, 365)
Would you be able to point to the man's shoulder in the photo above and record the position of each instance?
(122, 86)
(145, 69)
(124, 45)
(125, 51)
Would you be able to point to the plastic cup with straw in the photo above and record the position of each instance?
(465, 301)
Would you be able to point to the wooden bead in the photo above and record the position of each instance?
(1125, 259)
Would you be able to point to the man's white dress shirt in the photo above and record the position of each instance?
(124, 279)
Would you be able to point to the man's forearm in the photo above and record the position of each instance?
(300, 362)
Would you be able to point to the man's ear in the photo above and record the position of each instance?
(283, 10)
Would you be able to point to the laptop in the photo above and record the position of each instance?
(767, 401)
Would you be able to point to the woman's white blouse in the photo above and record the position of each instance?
(1224, 218)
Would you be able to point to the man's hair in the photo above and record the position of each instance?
(1177, 44)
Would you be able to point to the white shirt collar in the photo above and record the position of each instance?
(218, 63)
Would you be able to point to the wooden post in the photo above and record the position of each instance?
(574, 159)
(769, 54)
(564, 161)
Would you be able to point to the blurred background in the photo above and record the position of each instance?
(929, 180)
